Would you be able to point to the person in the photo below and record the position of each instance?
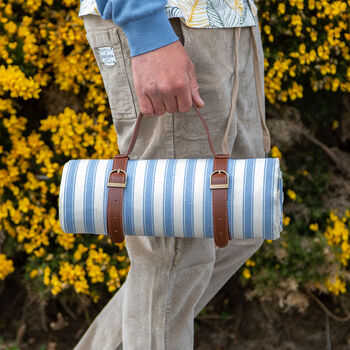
(159, 58)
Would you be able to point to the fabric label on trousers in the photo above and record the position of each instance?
(107, 55)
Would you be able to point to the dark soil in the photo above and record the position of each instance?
(229, 322)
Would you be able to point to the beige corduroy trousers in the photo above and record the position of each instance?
(172, 279)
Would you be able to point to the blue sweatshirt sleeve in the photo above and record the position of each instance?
(144, 23)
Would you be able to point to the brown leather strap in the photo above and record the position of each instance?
(138, 125)
(219, 182)
(116, 183)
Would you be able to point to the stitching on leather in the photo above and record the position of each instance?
(121, 234)
(222, 240)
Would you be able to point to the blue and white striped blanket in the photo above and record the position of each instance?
(172, 198)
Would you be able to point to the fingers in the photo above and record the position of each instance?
(194, 88)
(146, 106)
(182, 102)
(177, 100)
(165, 81)
(158, 105)
(170, 103)
(184, 99)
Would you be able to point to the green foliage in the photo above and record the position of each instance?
(53, 108)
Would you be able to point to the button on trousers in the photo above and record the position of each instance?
(172, 279)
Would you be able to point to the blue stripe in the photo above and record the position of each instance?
(105, 194)
(64, 228)
(69, 199)
(272, 199)
(231, 166)
(188, 198)
(268, 204)
(280, 187)
(153, 181)
(207, 210)
(144, 199)
(248, 198)
(148, 198)
(269, 183)
(89, 194)
(168, 198)
(128, 200)
(85, 203)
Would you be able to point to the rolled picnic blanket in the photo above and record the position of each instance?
(172, 197)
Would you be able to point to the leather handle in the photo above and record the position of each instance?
(138, 125)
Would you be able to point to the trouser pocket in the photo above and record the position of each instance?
(115, 68)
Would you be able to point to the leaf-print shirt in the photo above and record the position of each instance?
(143, 17)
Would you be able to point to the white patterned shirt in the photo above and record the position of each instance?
(201, 14)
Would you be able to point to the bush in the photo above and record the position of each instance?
(53, 108)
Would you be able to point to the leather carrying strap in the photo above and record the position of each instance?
(138, 125)
(118, 179)
(259, 84)
(115, 194)
(219, 182)
(219, 179)
(116, 184)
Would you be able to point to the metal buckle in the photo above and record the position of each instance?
(212, 186)
(117, 184)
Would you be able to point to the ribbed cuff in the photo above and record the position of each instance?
(149, 33)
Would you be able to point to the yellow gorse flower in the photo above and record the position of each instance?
(314, 227)
(250, 262)
(335, 285)
(246, 273)
(6, 266)
(286, 220)
(337, 234)
(291, 194)
(42, 50)
(275, 152)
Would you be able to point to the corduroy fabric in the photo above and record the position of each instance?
(172, 279)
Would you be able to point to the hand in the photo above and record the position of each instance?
(165, 80)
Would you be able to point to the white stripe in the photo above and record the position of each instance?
(138, 196)
(178, 197)
(276, 203)
(99, 215)
(61, 197)
(158, 197)
(198, 201)
(258, 209)
(79, 196)
(238, 182)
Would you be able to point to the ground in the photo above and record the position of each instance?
(229, 322)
